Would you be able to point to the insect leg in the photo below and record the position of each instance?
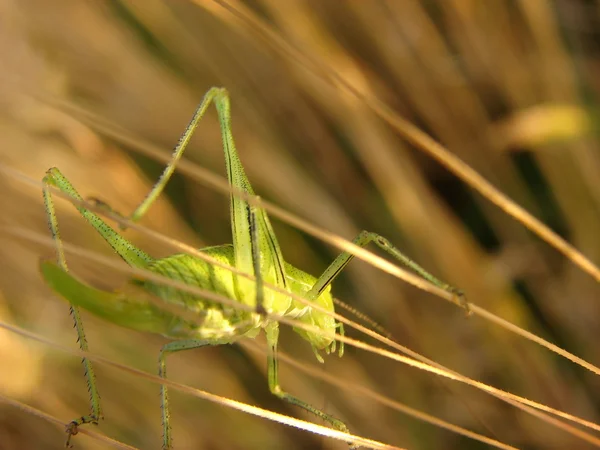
(177, 153)
(272, 331)
(245, 245)
(172, 347)
(95, 409)
(362, 240)
(123, 247)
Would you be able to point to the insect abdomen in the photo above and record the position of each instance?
(195, 272)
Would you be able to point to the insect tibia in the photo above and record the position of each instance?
(104, 206)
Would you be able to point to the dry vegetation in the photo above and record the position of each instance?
(509, 87)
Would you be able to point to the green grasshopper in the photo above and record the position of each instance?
(255, 251)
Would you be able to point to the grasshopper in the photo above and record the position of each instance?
(255, 251)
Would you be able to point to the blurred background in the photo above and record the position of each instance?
(511, 87)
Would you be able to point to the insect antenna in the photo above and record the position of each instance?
(364, 318)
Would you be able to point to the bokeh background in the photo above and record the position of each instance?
(511, 87)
